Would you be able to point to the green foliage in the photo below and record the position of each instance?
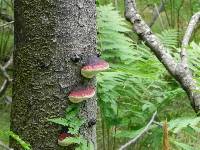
(24, 145)
(137, 83)
(195, 5)
(84, 145)
(194, 59)
(182, 146)
(169, 38)
(72, 121)
(6, 30)
(110, 27)
(6, 40)
(81, 143)
(179, 124)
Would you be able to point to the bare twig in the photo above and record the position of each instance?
(192, 25)
(5, 17)
(5, 74)
(9, 62)
(6, 24)
(158, 124)
(146, 129)
(4, 87)
(8, 80)
(157, 12)
(160, 18)
(3, 69)
(181, 73)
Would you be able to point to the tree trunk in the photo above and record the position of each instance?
(49, 36)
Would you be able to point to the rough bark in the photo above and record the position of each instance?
(180, 70)
(49, 35)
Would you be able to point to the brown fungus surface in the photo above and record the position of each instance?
(64, 139)
(94, 66)
(81, 93)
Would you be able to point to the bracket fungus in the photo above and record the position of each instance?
(81, 94)
(64, 139)
(94, 66)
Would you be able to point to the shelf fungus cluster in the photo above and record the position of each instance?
(92, 67)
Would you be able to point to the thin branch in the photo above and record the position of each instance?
(9, 62)
(5, 17)
(6, 24)
(8, 99)
(190, 29)
(146, 129)
(157, 12)
(181, 73)
(143, 30)
(160, 18)
(3, 68)
(5, 74)
(158, 123)
(4, 87)
(8, 80)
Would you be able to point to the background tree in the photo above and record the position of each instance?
(49, 37)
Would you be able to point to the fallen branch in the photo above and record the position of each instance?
(146, 129)
(181, 73)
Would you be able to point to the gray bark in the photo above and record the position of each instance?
(48, 35)
(179, 71)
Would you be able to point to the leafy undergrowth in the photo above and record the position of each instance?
(4, 122)
(137, 85)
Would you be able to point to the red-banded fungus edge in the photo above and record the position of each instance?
(81, 94)
(64, 139)
(94, 66)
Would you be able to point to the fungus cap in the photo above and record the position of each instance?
(79, 95)
(64, 139)
(94, 66)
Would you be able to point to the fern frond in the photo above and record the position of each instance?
(169, 38)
